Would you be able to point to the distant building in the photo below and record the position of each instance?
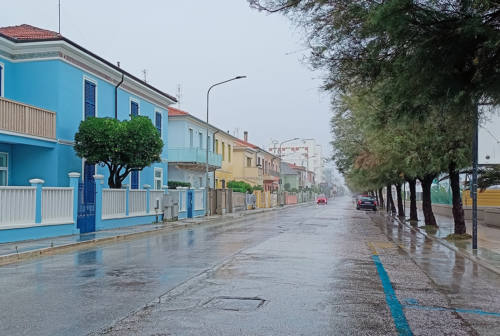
(305, 153)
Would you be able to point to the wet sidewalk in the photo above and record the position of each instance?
(488, 240)
(11, 252)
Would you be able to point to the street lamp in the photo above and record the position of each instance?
(206, 162)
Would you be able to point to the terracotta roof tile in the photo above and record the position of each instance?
(247, 144)
(27, 32)
(172, 111)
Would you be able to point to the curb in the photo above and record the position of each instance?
(457, 250)
(46, 251)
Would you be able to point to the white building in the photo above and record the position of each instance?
(301, 152)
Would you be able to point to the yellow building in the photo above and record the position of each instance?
(224, 146)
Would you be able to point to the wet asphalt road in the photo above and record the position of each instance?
(315, 270)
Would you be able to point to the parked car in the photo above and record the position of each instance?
(321, 199)
(366, 202)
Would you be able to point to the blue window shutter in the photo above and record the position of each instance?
(134, 109)
(1, 71)
(89, 99)
(158, 121)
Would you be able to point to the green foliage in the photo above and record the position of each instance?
(287, 186)
(175, 184)
(240, 186)
(258, 187)
(120, 145)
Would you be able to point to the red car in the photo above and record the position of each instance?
(321, 199)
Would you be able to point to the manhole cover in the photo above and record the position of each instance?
(235, 303)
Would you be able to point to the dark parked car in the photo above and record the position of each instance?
(366, 202)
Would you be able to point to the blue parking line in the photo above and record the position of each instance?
(458, 310)
(392, 301)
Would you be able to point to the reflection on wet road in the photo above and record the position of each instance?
(308, 270)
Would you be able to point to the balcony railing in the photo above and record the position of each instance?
(271, 172)
(26, 119)
(194, 155)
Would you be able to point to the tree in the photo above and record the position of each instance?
(122, 146)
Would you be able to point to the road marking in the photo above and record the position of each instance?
(395, 306)
(372, 248)
(413, 303)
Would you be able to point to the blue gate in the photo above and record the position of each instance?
(189, 204)
(86, 201)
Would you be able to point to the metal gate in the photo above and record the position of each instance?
(86, 206)
(190, 197)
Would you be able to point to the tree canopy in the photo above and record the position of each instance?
(122, 146)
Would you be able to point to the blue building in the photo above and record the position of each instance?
(187, 141)
(48, 85)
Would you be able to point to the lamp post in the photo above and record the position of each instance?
(206, 162)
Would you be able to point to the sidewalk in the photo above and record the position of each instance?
(488, 240)
(12, 252)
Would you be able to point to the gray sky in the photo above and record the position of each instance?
(195, 44)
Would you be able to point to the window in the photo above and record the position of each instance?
(223, 151)
(209, 142)
(258, 161)
(134, 108)
(89, 99)
(200, 181)
(191, 138)
(216, 146)
(4, 169)
(200, 140)
(229, 153)
(158, 178)
(158, 121)
(249, 162)
(1, 80)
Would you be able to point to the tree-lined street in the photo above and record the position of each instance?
(318, 270)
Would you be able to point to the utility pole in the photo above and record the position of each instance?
(473, 189)
(59, 31)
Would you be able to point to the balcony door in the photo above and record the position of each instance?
(134, 175)
(89, 111)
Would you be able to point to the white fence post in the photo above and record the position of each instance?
(37, 183)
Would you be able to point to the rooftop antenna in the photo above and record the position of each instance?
(145, 75)
(179, 95)
(59, 17)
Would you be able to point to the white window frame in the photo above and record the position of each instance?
(138, 102)
(88, 79)
(157, 178)
(2, 80)
(6, 168)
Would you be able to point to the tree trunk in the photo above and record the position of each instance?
(401, 209)
(426, 181)
(391, 208)
(114, 181)
(458, 210)
(388, 197)
(413, 200)
(381, 198)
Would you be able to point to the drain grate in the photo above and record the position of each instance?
(235, 303)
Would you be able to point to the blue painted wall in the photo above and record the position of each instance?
(58, 86)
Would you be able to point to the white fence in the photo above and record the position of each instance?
(17, 205)
(57, 205)
(198, 199)
(137, 202)
(183, 200)
(114, 203)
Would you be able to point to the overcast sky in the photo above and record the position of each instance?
(195, 44)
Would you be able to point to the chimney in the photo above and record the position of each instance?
(245, 136)
(118, 64)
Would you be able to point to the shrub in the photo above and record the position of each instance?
(175, 184)
(240, 186)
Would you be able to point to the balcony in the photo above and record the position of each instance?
(27, 120)
(271, 175)
(194, 156)
(252, 172)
